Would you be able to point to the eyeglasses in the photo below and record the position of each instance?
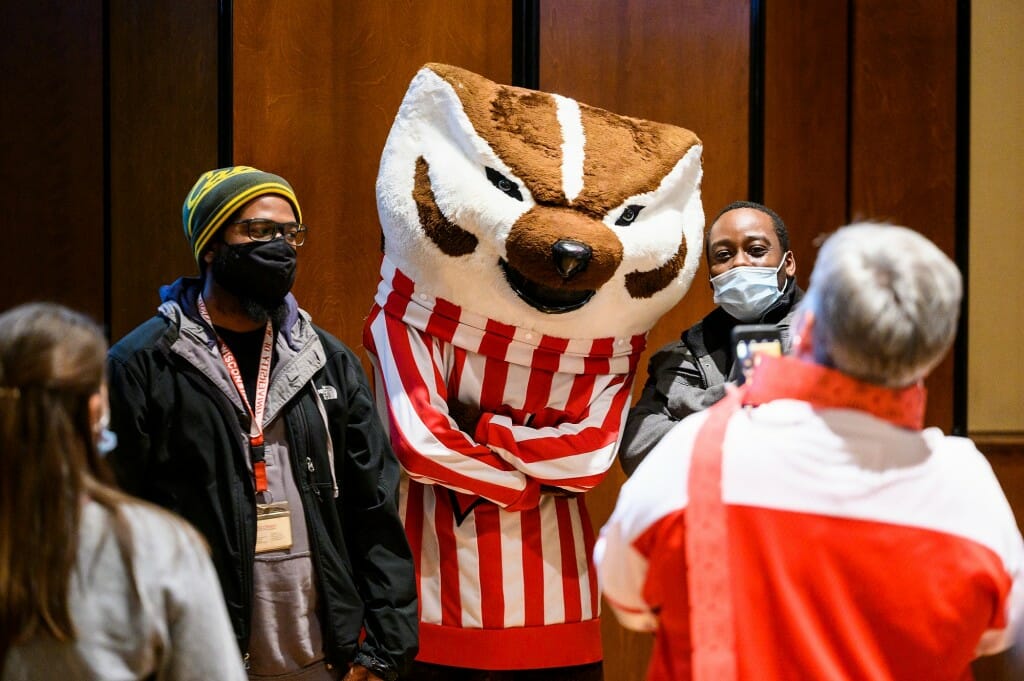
(262, 229)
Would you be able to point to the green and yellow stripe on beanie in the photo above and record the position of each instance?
(216, 196)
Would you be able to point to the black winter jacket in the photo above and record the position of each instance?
(182, 445)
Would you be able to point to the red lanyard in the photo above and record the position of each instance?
(259, 466)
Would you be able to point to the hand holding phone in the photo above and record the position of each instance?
(751, 342)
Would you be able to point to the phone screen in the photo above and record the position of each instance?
(753, 342)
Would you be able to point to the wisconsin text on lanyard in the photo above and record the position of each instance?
(259, 466)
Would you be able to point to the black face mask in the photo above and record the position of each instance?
(262, 271)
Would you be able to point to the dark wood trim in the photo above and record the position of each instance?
(962, 193)
(108, 238)
(999, 443)
(225, 84)
(851, 24)
(526, 43)
(755, 158)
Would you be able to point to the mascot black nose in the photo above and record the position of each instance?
(571, 257)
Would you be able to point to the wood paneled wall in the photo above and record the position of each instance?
(163, 134)
(315, 94)
(859, 122)
(51, 168)
(903, 133)
(1005, 451)
(806, 119)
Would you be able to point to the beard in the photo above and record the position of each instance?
(232, 270)
(260, 312)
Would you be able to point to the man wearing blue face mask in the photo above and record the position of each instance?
(753, 275)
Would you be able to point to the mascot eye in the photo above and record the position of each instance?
(628, 215)
(504, 184)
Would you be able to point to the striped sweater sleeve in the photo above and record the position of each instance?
(427, 441)
(571, 455)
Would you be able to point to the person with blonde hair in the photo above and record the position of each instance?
(808, 526)
(94, 584)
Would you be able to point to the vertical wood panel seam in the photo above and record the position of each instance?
(961, 202)
(225, 83)
(850, 75)
(526, 43)
(755, 151)
(108, 239)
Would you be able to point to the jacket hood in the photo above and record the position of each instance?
(184, 292)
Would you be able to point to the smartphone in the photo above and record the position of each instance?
(752, 342)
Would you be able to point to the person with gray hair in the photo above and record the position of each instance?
(819, 529)
(884, 302)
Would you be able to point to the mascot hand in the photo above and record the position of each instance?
(466, 415)
(358, 672)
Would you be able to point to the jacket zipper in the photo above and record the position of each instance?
(314, 545)
(312, 469)
(246, 530)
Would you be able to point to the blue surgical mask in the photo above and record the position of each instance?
(746, 293)
(106, 440)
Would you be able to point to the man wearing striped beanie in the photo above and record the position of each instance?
(235, 411)
(256, 274)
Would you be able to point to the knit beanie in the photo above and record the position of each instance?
(216, 196)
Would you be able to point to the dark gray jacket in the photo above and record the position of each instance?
(690, 374)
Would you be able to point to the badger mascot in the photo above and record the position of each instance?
(530, 242)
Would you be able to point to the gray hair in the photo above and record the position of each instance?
(886, 302)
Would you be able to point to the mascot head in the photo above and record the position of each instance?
(537, 211)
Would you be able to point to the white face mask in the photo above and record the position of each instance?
(746, 293)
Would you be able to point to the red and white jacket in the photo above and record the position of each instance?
(858, 549)
(505, 576)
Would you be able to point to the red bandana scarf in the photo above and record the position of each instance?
(778, 378)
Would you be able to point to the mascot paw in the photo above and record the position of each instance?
(465, 415)
(553, 491)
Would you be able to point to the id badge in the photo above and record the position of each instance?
(273, 527)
